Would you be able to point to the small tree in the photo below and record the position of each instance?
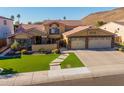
(64, 17)
(100, 23)
(15, 45)
(18, 16)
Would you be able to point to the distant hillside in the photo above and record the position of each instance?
(106, 16)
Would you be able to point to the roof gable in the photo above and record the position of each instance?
(87, 31)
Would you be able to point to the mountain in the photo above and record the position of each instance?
(106, 16)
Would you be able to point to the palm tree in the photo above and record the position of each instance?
(18, 16)
(12, 17)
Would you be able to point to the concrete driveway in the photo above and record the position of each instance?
(100, 57)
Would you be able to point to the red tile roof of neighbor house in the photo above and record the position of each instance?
(33, 26)
(77, 29)
(65, 22)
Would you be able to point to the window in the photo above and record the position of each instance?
(54, 30)
(5, 22)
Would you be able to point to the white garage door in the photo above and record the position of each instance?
(77, 43)
(100, 42)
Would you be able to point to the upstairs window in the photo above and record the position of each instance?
(5, 22)
(54, 30)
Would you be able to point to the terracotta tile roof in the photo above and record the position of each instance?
(32, 26)
(77, 29)
(32, 29)
(65, 22)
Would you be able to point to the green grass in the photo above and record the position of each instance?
(71, 61)
(28, 63)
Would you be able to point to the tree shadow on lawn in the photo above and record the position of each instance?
(7, 73)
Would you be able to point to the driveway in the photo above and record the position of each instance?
(100, 57)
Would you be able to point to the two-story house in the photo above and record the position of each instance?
(6, 29)
(74, 35)
(48, 34)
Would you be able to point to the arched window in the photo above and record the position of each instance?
(54, 30)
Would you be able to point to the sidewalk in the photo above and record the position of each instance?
(39, 77)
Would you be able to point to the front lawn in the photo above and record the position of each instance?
(28, 63)
(71, 61)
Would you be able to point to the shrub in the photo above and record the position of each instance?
(55, 51)
(8, 71)
(120, 49)
(41, 50)
(24, 51)
(100, 23)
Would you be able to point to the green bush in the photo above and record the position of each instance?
(23, 51)
(55, 51)
(41, 50)
(8, 71)
(120, 49)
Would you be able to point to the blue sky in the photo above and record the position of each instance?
(34, 14)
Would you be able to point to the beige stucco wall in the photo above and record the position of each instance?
(44, 46)
(113, 27)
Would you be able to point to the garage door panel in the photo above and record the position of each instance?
(78, 43)
(100, 42)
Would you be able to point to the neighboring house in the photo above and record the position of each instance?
(6, 29)
(88, 37)
(117, 28)
(49, 32)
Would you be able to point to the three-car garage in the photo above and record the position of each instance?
(91, 42)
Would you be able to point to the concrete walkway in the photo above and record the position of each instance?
(55, 64)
